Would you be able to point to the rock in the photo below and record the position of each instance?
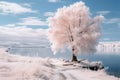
(95, 66)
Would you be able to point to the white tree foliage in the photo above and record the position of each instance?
(73, 27)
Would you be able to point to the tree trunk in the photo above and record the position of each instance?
(74, 58)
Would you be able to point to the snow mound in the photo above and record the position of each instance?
(15, 67)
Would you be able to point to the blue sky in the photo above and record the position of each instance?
(27, 18)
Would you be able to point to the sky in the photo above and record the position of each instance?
(26, 20)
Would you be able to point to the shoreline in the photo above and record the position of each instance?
(15, 67)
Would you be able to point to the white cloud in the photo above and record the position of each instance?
(21, 31)
(53, 0)
(14, 8)
(22, 34)
(26, 4)
(10, 25)
(103, 12)
(49, 14)
(113, 20)
(119, 24)
(32, 21)
(106, 39)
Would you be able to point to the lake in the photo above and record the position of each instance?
(111, 61)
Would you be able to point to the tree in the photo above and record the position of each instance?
(74, 28)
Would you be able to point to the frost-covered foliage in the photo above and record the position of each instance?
(74, 27)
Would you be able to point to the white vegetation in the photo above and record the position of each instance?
(73, 27)
(109, 47)
(14, 67)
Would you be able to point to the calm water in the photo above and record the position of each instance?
(111, 61)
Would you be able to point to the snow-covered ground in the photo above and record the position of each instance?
(15, 67)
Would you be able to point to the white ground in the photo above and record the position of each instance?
(27, 68)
